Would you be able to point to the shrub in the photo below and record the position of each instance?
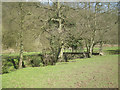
(10, 63)
(7, 66)
(11, 68)
(16, 63)
(36, 60)
(48, 59)
(41, 64)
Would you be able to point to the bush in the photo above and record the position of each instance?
(7, 66)
(11, 68)
(10, 63)
(41, 64)
(7, 69)
(16, 61)
(49, 59)
(4, 69)
(36, 60)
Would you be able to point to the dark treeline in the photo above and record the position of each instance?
(55, 26)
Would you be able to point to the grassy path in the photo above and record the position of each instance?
(96, 72)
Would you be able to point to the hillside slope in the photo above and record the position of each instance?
(96, 72)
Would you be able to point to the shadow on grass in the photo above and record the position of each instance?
(114, 51)
(95, 53)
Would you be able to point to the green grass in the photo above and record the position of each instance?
(95, 72)
(96, 49)
(34, 53)
(107, 48)
(25, 53)
(0, 82)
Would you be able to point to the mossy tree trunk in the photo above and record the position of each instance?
(21, 34)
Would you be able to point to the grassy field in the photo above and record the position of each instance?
(35, 53)
(95, 72)
(25, 53)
